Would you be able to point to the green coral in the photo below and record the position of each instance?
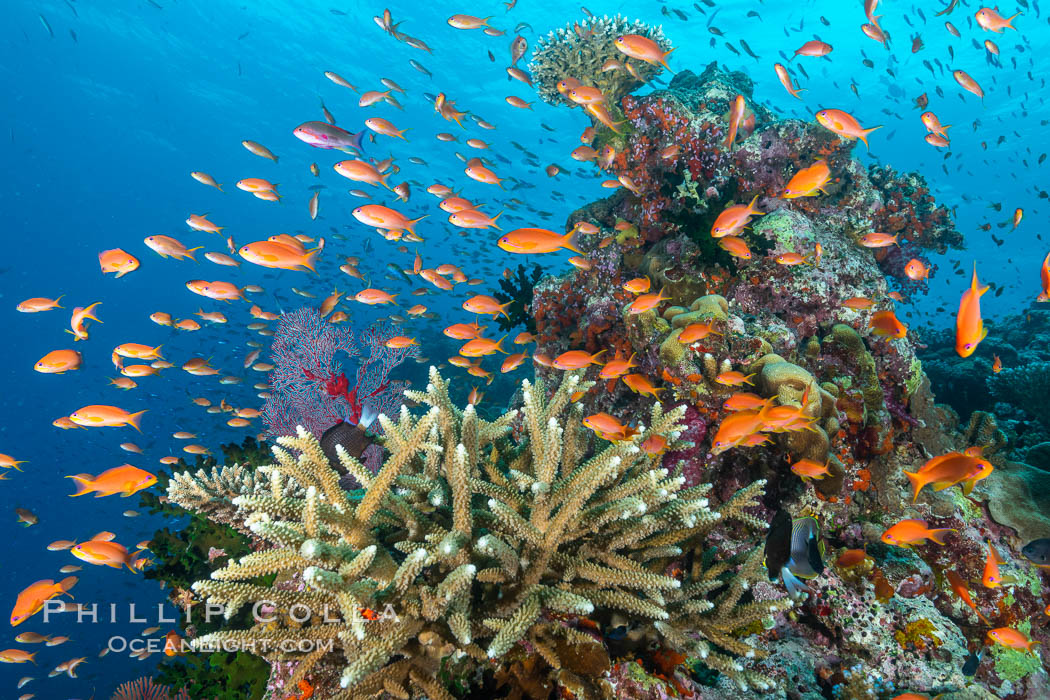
(867, 374)
(783, 227)
(1014, 664)
(915, 377)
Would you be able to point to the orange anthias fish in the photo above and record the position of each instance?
(734, 219)
(479, 347)
(992, 578)
(617, 367)
(736, 114)
(963, 591)
(885, 323)
(809, 469)
(38, 304)
(916, 270)
(814, 48)
(643, 49)
(125, 480)
(785, 80)
(1044, 278)
(58, 362)
(745, 401)
(647, 302)
(640, 384)
(536, 240)
(735, 429)
(608, 427)
(969, 327)
(991, 20)
(947, 470)
(808, 181)
(933, 124)
(118, 261)
(968, 83)
(576, 359)
(482, 304)
(281, 252)
(843, 124)
(102, 551)
(464, 331)
(1011, 638)
(31, 600)
(913, 532)
(696, 332)
(100, 416)
(733, 378)
(640, 285)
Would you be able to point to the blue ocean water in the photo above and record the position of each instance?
(110, 106)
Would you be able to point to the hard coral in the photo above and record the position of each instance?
(581, 49)
(474, 539)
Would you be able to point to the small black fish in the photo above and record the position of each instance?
(1038, 551)
(337, 12)
(243, 36)
(74, 35)
(47, 26)
(681, 15)
(778, 543)
(747, 49)
(824, 21)
(752, 13)
(969, 667)
(715, 30)
(732, 48)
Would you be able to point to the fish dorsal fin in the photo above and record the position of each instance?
(104, 536)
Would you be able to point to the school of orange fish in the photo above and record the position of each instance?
(749, 419)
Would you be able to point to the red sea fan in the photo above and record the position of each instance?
(309, 385)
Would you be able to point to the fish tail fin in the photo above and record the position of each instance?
(864, 134)
(410, 225)
(134, 418)
(308, 260)
(663, 58)
(796, 91)
(84, 483)
(499, 345)
(792, 583)
(569, 241)
(751, 205)
(1011, 19)
(401, 134)
(594, 357)
(496, 217)
(503, 309)
(939, 535)
(189, 253)
(917, 482)
(58, 306)
(67, 583)
(88, 313)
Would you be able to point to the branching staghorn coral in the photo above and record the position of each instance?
(211, 493)
(581, 49)
(474, 539)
